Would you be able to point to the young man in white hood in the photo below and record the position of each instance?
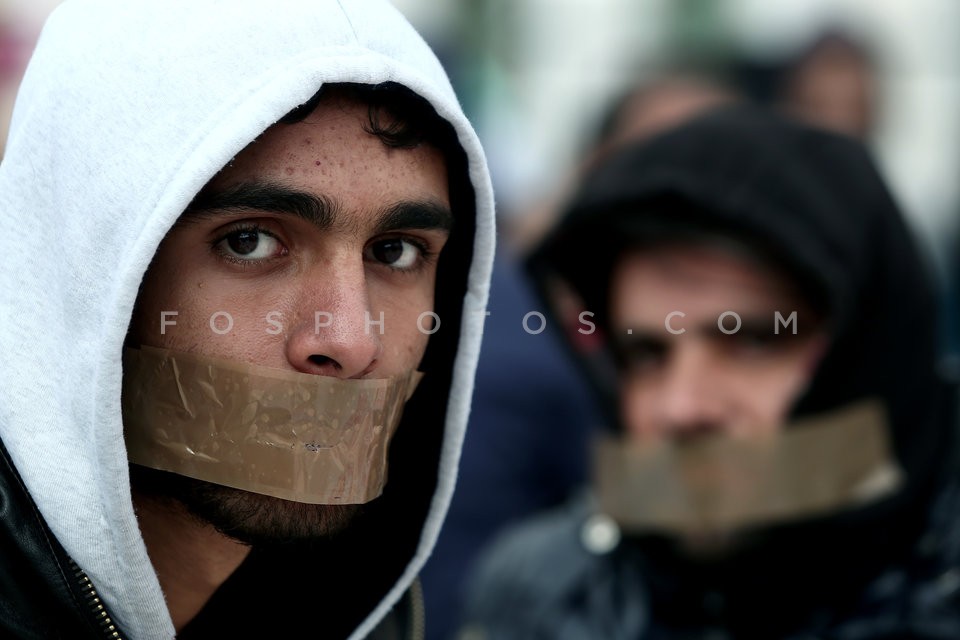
(239, 234)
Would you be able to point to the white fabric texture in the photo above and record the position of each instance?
(127, 109)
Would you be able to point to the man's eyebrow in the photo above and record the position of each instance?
(424, 214)
(316, 209)
(260, 196)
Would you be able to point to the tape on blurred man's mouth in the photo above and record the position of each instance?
(720, 483)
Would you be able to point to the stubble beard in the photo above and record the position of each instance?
(251, 518)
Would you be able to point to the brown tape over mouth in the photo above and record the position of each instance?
(718, 483)
(291, 435)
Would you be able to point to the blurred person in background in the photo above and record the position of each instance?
(19, 27)
(532, 418)
(832, 82)
(752, 311)
(656, 104)
(12, 61)
(637, 111)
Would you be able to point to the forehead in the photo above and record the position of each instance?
(697, 280)
(331, 152)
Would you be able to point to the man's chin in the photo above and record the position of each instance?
(247, 517)
(719, 545)
(257, 519)
(709, 545)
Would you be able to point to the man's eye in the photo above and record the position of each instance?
(750, 342)
(395, 252)
(250, 244)
(641, 355)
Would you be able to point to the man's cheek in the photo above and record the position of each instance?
(407, 348)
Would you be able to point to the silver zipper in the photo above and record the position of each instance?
(417, 611)
(95, 604)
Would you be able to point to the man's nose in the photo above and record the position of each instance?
(690, 402)
(336, 333)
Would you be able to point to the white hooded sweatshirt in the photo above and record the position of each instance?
(127, 109)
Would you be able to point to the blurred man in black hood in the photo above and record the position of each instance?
(748, 302)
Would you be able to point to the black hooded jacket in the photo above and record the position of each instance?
(814, 204)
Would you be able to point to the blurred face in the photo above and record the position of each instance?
(835, 89)
(315, 251)
(682, 375)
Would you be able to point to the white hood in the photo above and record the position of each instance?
(101, 160)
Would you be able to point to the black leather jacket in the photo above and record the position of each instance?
(45, 595)
(542, 582)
